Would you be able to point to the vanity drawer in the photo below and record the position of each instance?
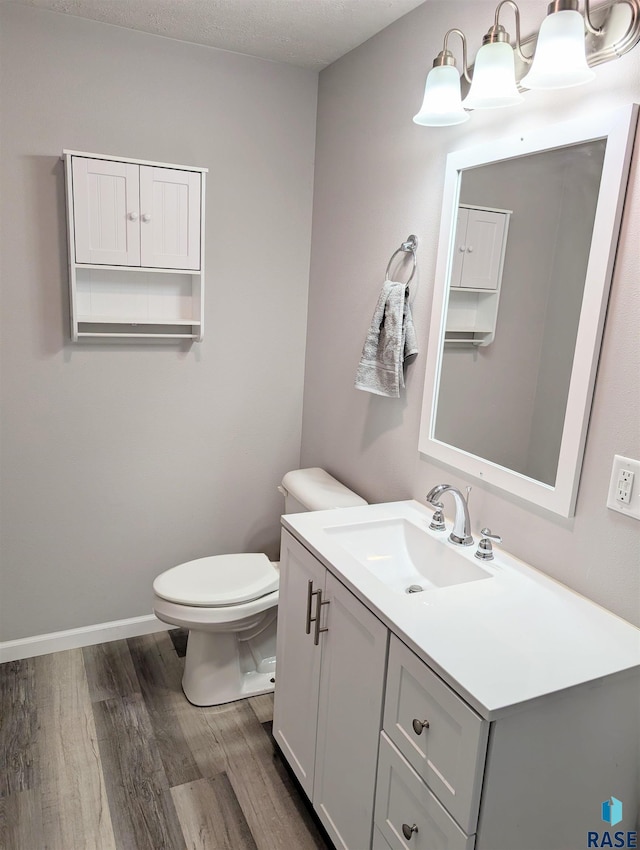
(448, 752)
(402, 799)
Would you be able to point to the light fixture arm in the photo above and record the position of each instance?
(587, 20)
(498, 32)
(445, 57)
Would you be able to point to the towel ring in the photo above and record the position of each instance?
(411, 246)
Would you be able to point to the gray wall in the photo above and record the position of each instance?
(378, 178)
(120, 461)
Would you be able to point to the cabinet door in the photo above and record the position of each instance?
(105, 212)
(483, 243)
(354, 651)
(459, 247)
(169, 218)
(295, 711)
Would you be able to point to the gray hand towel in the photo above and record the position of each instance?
(391, 338)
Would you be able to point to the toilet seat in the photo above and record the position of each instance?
(214, 618)
(218, 581)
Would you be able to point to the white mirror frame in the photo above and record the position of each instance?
(619, 129)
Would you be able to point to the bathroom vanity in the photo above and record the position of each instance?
(490, 707)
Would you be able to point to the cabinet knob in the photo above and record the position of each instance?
(146, 217)
(462, 248)
(133, 216)
(469, 249)
(408, 831)
(419, 725)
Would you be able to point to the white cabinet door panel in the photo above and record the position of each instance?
(485, 237)
(169, 218)
(459, 247)
(354, 649)
(106, 214)
(295, 710)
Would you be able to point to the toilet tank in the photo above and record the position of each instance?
(315, 490)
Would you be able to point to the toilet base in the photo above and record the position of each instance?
(222, 667)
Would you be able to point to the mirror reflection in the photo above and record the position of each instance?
(517, 269)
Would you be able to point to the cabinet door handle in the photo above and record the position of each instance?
(408, 831)
(321, 602)
(309, 601)
(133, 216)
(310, 594)
(146, 217)
(419, 725)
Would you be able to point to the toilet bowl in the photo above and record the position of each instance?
(229, 604)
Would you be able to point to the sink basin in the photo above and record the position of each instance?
(404, 556)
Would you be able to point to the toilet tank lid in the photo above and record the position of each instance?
(318, 491)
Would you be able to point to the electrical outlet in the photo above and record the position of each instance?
(624, 491)
(624, 486)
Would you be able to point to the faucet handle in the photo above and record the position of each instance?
(437, 521)
(485, 547)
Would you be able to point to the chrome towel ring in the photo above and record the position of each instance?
(410, 246)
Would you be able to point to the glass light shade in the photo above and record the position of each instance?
(442, 104)
(494, 78)
(560, 60)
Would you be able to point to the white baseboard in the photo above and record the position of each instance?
(12, 650)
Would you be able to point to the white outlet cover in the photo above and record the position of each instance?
(631, 509)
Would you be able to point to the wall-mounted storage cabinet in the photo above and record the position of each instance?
(476, 274)
(136, 248)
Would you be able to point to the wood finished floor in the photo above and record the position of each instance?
(100, 749)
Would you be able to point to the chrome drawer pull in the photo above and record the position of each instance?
(408, 831)
(419, 725)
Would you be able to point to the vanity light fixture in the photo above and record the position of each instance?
(561, 59)
(494, 74)
(442, 103)
(567, 46)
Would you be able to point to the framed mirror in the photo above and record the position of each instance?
(527, 244)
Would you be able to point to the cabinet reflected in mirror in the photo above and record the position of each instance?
(517, 320)
(518, 371)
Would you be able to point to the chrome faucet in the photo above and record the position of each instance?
(461, 533)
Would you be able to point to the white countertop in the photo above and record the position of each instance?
(500, 642)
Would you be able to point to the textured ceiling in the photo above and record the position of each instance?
(309, 33)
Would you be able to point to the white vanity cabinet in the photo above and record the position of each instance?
(476, 274)
(510, 709)
(136, 247)
(328, 698)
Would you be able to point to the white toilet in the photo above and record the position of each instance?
(229, 604)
